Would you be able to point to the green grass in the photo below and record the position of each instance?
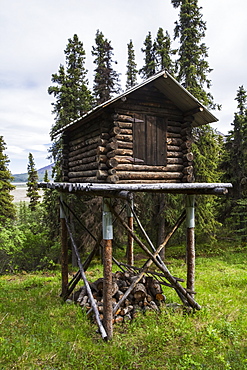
(38, 331)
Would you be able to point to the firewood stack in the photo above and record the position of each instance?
(146, 295)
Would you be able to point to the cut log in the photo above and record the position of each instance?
(123, 117)
(174, 154)
(173, 160)
(174, 141)
(174, 148)
(112, 179)
(80, 161)
(188, 157)
(117, 152)
(123, 175)
(101, 175)
(84, 179)
(174, 129)
(148, 168)
(122, 144)
(115, 131)
(111, 171)
(139, 292)
(112, 145)
(188, 170)
(126, 131)
(82, 174)
(112, 162)
(123, 125)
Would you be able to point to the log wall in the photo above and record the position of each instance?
(103, 149)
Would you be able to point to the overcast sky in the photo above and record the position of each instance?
(34, 34)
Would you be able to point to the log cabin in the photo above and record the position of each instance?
(142, 135)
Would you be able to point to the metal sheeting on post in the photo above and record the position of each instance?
(107, 226)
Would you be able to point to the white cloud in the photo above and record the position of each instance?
(15, 150)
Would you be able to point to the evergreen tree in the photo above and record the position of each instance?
(71, 92)
(192, 67)
(149, 67)
(106, 79)
(131, 67)
(234, 162)
(7, 209)
(163, 51)
(32, 183)
(234, 165)
(73, 97)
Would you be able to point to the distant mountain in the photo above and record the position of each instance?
(23, 177)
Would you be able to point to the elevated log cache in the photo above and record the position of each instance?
(144, 139)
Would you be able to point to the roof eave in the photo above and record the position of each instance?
(167, 84)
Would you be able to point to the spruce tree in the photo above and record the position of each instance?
(131, 67)
(73, 97)
(32, 183)
(235, 154)
(7, 209)
(149, 67)
(163, 51)
(192, 67)
(106, 79)
(192, 71)
(234, 166)
(70, 89)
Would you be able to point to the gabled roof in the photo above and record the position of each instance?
(173, 90)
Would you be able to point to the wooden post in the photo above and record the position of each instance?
(190, 251)
(107, 264)
(64, 254)
(130, 246)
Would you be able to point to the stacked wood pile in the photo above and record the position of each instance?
(146, 295)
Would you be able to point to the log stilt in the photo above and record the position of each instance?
(190, 247)
(130, 246)
(64, 254)
(107, 227)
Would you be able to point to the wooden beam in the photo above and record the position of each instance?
(107, 231)
(190, 242)
(193, 111)
(64, 254)
(130, 245)
(121, 190)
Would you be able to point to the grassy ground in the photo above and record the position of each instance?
(38, 331)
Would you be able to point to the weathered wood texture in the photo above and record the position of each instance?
(144, 139)
(107, 288)
(64, 257)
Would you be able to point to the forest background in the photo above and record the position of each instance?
(29, 233)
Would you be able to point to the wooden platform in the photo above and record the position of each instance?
(123, 189)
